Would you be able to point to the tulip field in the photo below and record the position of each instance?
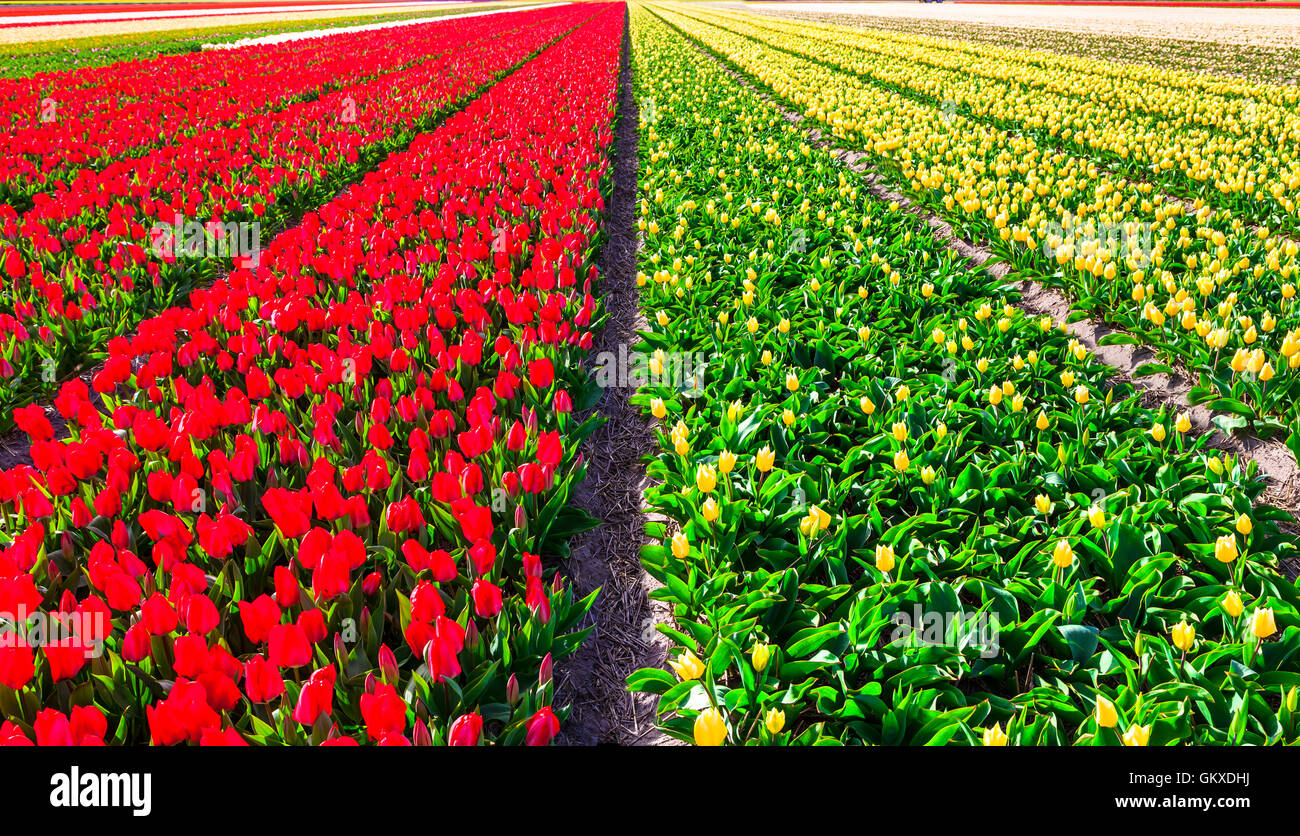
(303, 399)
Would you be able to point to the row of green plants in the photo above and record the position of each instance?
(901, 511)
(1202, 287)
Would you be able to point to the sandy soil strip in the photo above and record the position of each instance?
(623, 639)
(285, 37)
(1261, 26)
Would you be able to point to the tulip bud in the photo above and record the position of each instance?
(774, 720)
(1063, 555)
(1107, 716)
(1232, 604)
(710, 728)
(760, 655)
(512, 690)
(1262, 623)
(471, 635)
(388, 665)
(544, 673)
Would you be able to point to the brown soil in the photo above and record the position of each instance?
(593, 680)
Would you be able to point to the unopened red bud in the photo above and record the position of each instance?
(544, 674)
(388, 665)
(512, 690)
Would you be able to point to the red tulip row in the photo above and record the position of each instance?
(313, 504)
(84, 262)
(84, 118)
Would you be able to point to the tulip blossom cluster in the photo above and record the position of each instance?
(900, 510)
(1185, 239)
(313, 502)
(81, 261)
(64, 124)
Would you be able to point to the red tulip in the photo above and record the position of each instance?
(542, 728)
(17, 664)
(466, 730)
(384, 712)
(288, 646)
(262, 681)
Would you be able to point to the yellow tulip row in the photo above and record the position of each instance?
(1227, 148)
(1199, 280)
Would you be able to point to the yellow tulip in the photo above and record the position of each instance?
(1042, 423)
(687, 666)
(866, 405)
(1244, 525)
(885, 558)
(1225, 548)
(726, 461)
(1232, 604)
(1137, 736)
(657, 408)
(994, 736)
(1158, 433)
(709, 509)
(901, 461)
(1184, 635)
(1063, 555)
(1097, 516)
(1107, 716)
(1184, 423)
(903, 392)
(710, 728)
(706, 478)
(760, 655)
(681, 545)
(900, 432)
(1262, 623)
(995, 395)
(774, 720)
(792, 382)
(1081, 395)
(1043, 504)
(940, 431)
(927, 475)
(765, 459)
(787, 417)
